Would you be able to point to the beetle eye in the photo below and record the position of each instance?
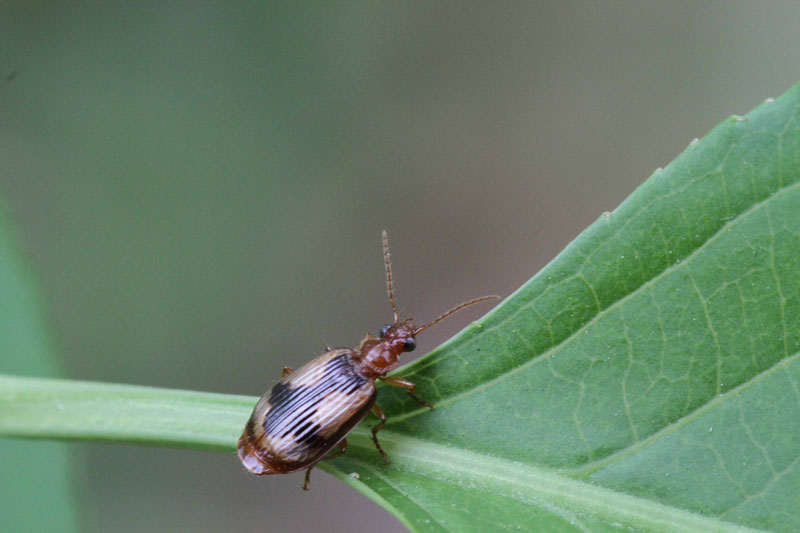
(384, 329)
(410, 344)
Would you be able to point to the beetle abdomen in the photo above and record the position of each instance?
(306, 414)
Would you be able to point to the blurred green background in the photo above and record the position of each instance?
(201, 187)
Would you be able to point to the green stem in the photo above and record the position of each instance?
(67, 409)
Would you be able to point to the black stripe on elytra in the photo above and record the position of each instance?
(279, 393)
(306, 406)
(309, 434)
(301, 403)
(313, 439)
(336, 376)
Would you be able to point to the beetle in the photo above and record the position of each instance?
(311, 410)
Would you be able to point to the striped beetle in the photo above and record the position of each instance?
(311, 410)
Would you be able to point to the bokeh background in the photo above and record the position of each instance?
(201, 187)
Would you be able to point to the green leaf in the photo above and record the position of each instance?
(647, 379)
(653, 362)
(31, 472)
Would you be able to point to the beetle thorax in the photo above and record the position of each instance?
(378, 356)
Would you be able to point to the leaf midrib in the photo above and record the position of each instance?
(526, 484)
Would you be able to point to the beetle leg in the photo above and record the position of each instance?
(286, 371)
(410, 387)
(342, 449)
(308, 474)
(379, 413)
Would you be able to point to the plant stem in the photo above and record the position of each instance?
(67, 409)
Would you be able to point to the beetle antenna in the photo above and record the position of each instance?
(454, 310)
(388, 263)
